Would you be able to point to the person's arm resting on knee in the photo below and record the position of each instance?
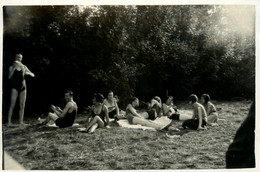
(65, 110)
(133, 111)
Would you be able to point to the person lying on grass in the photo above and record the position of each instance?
(154, 109)
(171, 111)
(199, 118)
(98, 114)
(66, 117)
(212, 115)
(111, 103)
(139, 118)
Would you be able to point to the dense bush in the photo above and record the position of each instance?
(132, 50)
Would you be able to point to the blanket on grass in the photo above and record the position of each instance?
(162, 121)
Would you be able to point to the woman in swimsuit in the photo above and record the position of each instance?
(210, 109)
(134, 117)
(111, 103)
(171, 111)
(99, 114)
(199, 118)
(154, 109)
(66, 117)
(18, 87)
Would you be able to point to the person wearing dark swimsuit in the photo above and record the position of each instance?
(111, 103)
(199, 118)
(154, 109)
(136, 118)
(17, 81)
(18, 87)
(67, 120)
(66, 117)
(99, 114)
(172, 112)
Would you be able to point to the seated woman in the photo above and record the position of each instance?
(171, 111)
(135, 118)
(212, 114)
(199, 118)
(66, 117)
(111, 103)
(99, 114)
(154, 109)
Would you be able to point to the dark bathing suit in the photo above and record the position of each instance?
(101, 114)
(112, 113)
(129, 116)
(17, 81)
(67, 120)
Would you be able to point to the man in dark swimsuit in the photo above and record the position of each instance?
(66, 117)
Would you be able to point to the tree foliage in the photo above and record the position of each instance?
(132, 50)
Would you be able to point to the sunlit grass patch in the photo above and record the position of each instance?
(116, 148)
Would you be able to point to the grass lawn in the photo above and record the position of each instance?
(47, 148)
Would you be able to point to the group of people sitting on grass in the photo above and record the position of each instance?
(105, 109)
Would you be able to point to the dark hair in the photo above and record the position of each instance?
(99, 97)
(167, 97)
(206, 97)
(157, 98)
(109, 92)
(193, 98)
(133, 99)
(69, 92)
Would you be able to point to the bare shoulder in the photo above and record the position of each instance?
(201, 107)
(211, 104)
(71, 103)
(105, 102)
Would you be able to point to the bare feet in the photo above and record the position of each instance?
(202, 128)
(41, 121)
(93, 128)
(213, 124)
(172, 136)
(173, 129)
(12, 125)
(9, 124)
(23, 124)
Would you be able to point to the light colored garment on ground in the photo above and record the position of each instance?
(160, 121)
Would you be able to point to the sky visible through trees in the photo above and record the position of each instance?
(140, 51)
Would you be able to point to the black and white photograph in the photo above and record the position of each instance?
(129, 86)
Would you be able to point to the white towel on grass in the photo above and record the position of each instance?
(162, 121)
